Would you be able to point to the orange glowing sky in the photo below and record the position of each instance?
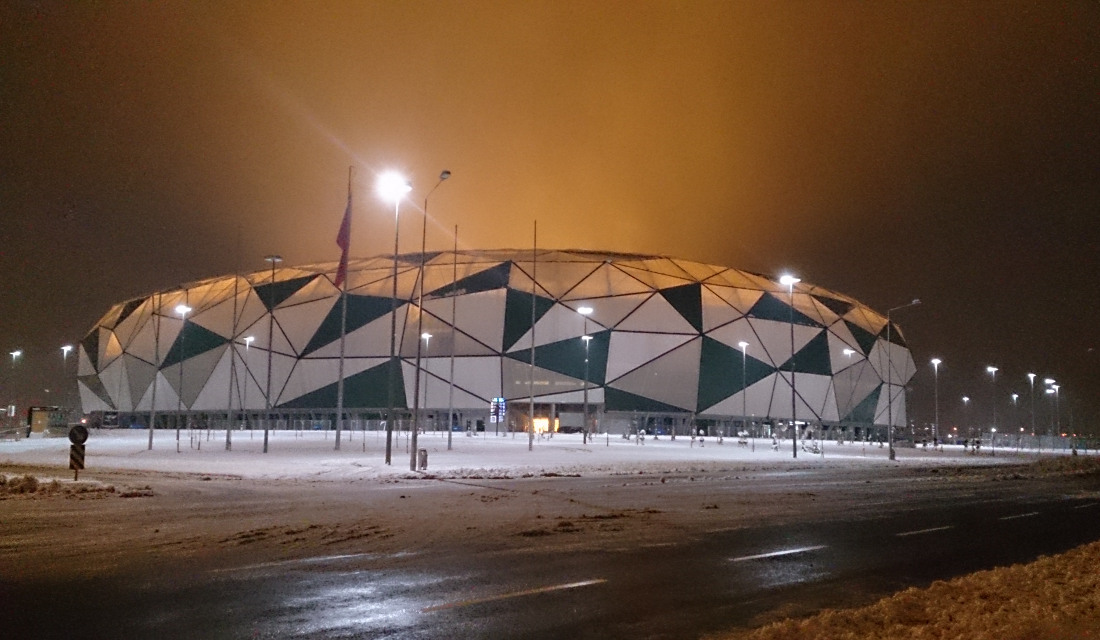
(886, 150)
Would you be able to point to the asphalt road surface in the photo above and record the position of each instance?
(848, 539)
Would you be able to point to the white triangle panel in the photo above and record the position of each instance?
(627, 350)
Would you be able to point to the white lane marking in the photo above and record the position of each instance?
(920, 531)
(1085, 506)
(773, 554)
(312, 560)
(1020, 515)
(517, 594)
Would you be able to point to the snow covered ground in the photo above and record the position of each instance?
(312, 453)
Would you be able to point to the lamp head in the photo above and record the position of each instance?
(183, 309)
(584, 311)
(936, 362)
(744, 345)
(393, 186)
(788, 280)
(991, 369)
(444, 175)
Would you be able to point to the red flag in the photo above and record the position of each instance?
(343, 240)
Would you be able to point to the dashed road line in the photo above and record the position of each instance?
(920, 531)
(1085, 506)
(775, 554)
(1020, 515)
(517, 594)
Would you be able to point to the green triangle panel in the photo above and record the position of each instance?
(487, 280)
(567, 357)
(361, 311)
(838, 307)
(128, 309)
(364, 390)
(688, 302)
(895, 335)
(95, 385)
(191, 341)
(720, 372)
(273, 294)
(864, 412)
(616, 400)
(769, 307)
(813, 357)
(517, 315)
(90, 343)
(865, 338)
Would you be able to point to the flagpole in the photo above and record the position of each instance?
(344, 240)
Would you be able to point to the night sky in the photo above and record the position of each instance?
(942, 150)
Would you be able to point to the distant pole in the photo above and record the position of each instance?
(420, 322)
(392, 186)
(890, 376)
(454, 302)
(531, 379)
(183, 310)
(936, 376)
(232, 371)
(790, 281)
(274, 260)
(156, 368)
(745, 393)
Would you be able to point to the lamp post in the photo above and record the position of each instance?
(585, 311)
(936, 399)
(427, 338)
(790, 281)
(14, 356)
(890, 375)
(1048, 382)
(65, 349)
(1057, 411)
(1015, 413)
(745, 390)
(966, 414)
(392, 187)
(183, 310)
(1031, 383)
(992, 371)
(247, 375)
(419, 317)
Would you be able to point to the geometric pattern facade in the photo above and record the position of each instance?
(664, 336)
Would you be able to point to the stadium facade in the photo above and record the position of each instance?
(660, 346)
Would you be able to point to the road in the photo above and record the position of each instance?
(671, 555)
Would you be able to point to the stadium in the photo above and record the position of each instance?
(633, 342)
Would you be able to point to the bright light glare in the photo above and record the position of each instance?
(15, 354)
(248, 341)
(788, 280)
(183, 309)
(584, 311)
(991, 369)
(393, 186)
(426, 335)
(936, 362)
(66, 349)
(1049, 381)
(743, 345)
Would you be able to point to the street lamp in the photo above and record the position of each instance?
(789, 281)
(992, 371)
(745, 391)
(1057, 411)
(15, 354)
(936, 362)
(65, 349)
(420, 311)
(890, 375)
(392, 187)
(585, 311)
(274, 260)
(183, 310)
(966, 413)
(1031, 382)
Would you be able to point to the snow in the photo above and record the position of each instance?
(312, 454)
